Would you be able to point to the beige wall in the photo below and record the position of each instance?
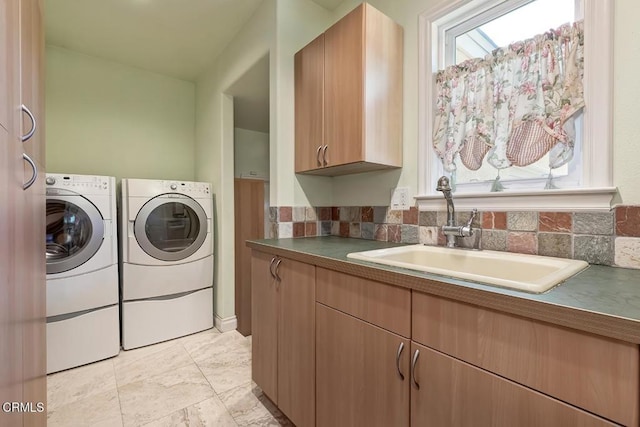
(105, 118)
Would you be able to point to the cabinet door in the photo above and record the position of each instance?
(32, 220)
(264, 321)
(296, 342)
(453, 393)
(344, 89)
(309, 99)
(32, 77)
(358, 380)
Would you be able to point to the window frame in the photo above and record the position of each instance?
(597, 191)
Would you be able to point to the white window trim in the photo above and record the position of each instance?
(597, 181)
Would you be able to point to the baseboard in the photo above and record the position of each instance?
(227, 324)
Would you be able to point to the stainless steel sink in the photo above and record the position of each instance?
(529, 273)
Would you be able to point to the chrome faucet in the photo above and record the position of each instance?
(451, 230)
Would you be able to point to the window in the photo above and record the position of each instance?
(466, 29)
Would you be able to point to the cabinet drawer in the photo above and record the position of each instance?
(598, 374)
(386, 306)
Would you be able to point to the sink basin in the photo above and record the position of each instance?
(529, 273)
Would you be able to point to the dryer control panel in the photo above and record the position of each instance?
(193, 189)
(148, 188)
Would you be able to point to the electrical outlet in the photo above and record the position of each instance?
(400, 199)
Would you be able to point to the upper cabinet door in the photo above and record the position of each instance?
(309, 96)
(344, 91)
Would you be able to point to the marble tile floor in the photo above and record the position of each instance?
(199, 380)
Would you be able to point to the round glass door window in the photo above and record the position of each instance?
(171, 230)
(74, 233)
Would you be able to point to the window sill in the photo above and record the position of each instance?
(584, 199)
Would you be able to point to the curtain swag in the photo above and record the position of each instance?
(515, 105)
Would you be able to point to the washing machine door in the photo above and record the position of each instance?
(171, 227)
(75, 230)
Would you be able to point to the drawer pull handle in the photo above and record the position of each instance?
(318, 155)
(324, 155)
(413, 368)
(400, 348)
(25, 138)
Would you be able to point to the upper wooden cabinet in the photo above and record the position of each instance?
(348, 96)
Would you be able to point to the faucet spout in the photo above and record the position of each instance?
(451, 231)
(445, 187)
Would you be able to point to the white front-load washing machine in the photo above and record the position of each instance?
(83, 318)
(167, 260)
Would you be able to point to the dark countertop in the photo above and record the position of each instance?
(601, 300)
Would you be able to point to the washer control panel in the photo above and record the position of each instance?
(80, 183)
(193, 189)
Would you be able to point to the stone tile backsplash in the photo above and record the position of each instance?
(607, 238)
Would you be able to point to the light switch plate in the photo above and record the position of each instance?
(400, 199)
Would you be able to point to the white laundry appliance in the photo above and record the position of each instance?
(83, 317)
(167, 260)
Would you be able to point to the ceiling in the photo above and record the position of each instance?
(163, 36)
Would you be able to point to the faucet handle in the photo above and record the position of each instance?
(474, 213)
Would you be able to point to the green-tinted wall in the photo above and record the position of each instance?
(105, 118)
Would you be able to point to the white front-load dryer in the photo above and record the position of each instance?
(82, 270)
(167, 260)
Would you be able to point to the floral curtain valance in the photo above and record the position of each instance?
(513, 106)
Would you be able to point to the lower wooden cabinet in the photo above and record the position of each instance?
(591, 372)
(362, 373)
(449, 392)
(363, 353)
(283, 334)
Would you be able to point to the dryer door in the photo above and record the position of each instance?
(75, 230)
(171, 227)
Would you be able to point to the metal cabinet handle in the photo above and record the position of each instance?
(324, 155)
(273, 276)
(318, 155)
(400, 348)
(413, 368)
(278, 278)
(35, 172)
(29, 134)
